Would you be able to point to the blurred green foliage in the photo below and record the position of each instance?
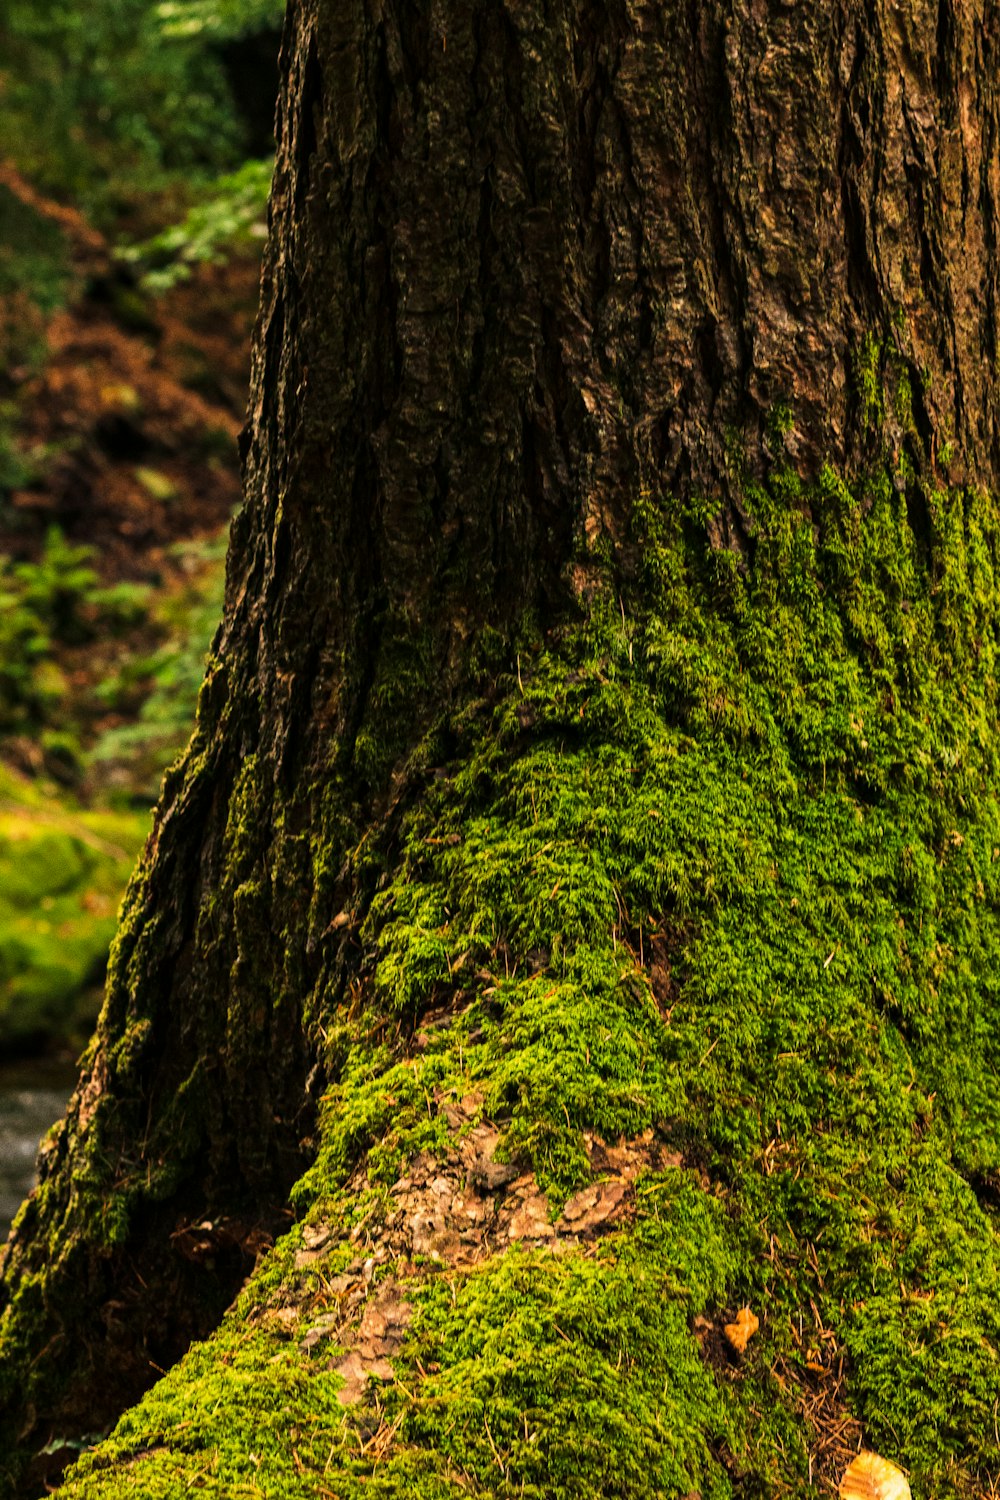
(34, 282)
(62, 871)
(15, 469)
(56, 604)
(133, 114)
(162, 686)
(62, 866)
(32, 252)
(56, 601)
(219, 18)
(104, 100)
(231, 215)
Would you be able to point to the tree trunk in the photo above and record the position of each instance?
(599, 742)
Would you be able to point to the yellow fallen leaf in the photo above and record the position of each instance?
(870, 1477)
(742, 1331)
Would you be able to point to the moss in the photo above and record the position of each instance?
(546, 1375)
(568, 1378)
(403, 682)
(716, 866)
(62, 872)
(868, 382)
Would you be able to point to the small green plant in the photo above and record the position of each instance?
(166, 681)
(64, 592)
(231, 216)
(15, 470)
(56, 601)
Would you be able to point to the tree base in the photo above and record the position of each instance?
(678, 1001)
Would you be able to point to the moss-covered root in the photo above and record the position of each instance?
(446, 1335)
(560, 1365)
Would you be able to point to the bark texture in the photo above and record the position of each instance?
(527, 258)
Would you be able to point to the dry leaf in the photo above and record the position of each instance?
(356, 1372)
(870, 1477)
(740, 1333)
(530, 1221)
(592, 1207)
(380, 1334)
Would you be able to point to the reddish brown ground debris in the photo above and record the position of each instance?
(820, 1395)
(131, 421)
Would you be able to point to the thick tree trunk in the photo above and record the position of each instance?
(533, 269)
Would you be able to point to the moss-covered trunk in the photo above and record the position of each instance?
(579, 893)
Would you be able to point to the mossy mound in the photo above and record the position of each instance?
(62, 874)
(680, 998)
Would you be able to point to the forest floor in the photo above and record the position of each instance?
(119, 413)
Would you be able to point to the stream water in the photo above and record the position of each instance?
(32, 1097)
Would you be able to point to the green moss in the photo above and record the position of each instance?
(62, 872)
(868, 382)
(403, 683)
(536, 1374)
(577, 1375)
(717, 866)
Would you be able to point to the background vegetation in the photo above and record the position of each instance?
(133, 178)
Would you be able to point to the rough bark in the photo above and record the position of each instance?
(526, 260)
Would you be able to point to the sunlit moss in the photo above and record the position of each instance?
(719, 861)
(62, 872)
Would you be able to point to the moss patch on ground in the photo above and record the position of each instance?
(712, 878)
(62, 873)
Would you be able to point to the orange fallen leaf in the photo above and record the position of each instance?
(740, 1333)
